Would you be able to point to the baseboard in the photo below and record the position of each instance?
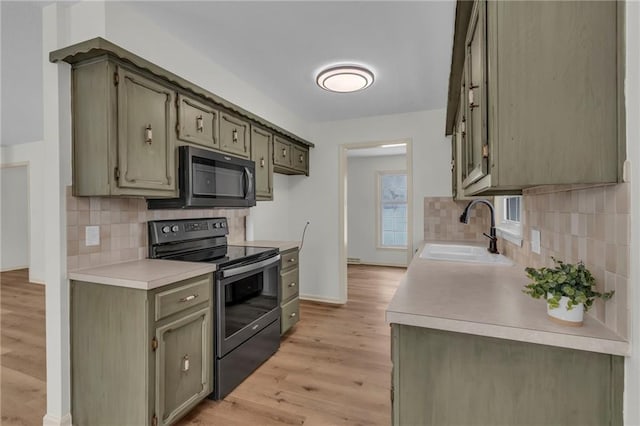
(367, 263)
(50, 420)
(14, 268)
(329, 300)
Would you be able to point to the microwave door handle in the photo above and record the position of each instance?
(248, 183)
(251, 267)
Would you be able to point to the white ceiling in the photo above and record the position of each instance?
(280, 47)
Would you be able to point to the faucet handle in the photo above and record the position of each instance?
(491, 237)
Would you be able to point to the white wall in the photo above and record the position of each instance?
(21, 51)
(362, 206)
(269, 220)
(632, 93)
(315, 198)
(14, 228)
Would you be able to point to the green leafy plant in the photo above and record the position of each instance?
(565, 279)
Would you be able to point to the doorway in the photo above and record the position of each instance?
(376, 205)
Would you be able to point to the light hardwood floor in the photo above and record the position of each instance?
(333, 369)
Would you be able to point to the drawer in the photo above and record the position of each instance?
(290, 315)
(289, 284)
(191, 293)
(289, 259)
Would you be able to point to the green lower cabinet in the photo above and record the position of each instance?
(289, 290)
(446, 378)
(140, 357)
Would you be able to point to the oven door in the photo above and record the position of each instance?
(248, 300)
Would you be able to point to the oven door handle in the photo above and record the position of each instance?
(249, 268)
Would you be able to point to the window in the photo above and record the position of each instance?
(392, 209)
(509, 218)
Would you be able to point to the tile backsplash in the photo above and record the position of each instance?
(123, 227)
(588, 224)
(442, 220)
(591, 224)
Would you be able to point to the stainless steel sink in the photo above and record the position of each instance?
(463, 253)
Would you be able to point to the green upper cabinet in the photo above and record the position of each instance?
(234, 136)
(290, 158)
(474, 91)
(299, 158)
(540, 87)
(145, 133)
(129, 115)
(281, 152)
(123, 132)
(198, 123)
(261, 154)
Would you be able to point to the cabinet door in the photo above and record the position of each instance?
(234, 135)
(183, 362)
(197, 122)
(299, 158)
(477, 151)
(281, 152)
(261, 153)
(146, 123)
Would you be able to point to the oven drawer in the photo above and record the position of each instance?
(192, 292)
(289, 259)
(289, 284)
(290, 315)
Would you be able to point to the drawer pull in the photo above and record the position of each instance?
(188, 298)
(292, 315)
(292, 285)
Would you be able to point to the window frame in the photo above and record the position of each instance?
(378, 207)
(510, 230)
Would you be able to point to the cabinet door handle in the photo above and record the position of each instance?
(148, 134)
(293, 259)
(188, 298)
(301, 158)
(199, 123)
(292, 285)
(234, 135)
(292, 315)
(284, 152)
(185, 363)
(262, 162)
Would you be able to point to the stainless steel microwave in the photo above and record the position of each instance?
(210, 179)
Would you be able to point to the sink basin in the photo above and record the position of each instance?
(463, 253)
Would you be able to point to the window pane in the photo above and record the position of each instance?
(512, 209)
(394, 188)
(393, 210)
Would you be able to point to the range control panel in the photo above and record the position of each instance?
(166, 231)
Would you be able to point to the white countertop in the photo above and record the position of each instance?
(145, 274)
(282, 245)
(488, 301)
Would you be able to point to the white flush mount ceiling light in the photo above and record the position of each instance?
(345, 79)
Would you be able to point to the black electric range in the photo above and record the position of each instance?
(247, 293)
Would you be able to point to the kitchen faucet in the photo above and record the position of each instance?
(464, 218)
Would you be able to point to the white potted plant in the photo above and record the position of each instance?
(567, 288)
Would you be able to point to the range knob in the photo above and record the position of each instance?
(166, 229)
(222, 225)
(175, 228)
(216, 225)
